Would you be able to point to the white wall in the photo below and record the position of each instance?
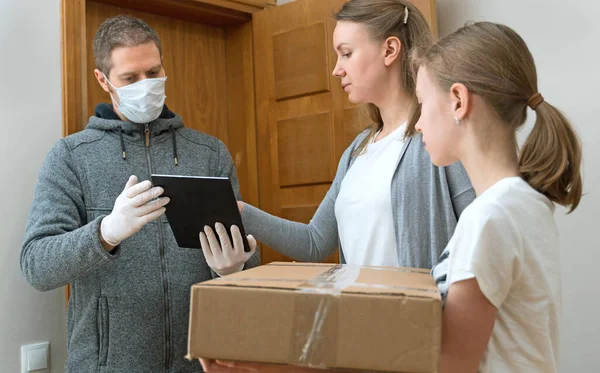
(30, 106)
(563, 37)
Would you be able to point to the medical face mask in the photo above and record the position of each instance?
(143, 101)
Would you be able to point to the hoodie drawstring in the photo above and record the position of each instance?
(175, 158)
(173, 138)
(122, 142)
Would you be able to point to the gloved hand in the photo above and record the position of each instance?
(134, 208)
(223, 257)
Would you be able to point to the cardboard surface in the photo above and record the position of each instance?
(320, 315)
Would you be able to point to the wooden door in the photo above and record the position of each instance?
(304, 118)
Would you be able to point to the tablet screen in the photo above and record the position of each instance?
(197, 201)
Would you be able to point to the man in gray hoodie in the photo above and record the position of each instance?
(93, 225)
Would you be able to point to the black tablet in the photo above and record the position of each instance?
(197, 201)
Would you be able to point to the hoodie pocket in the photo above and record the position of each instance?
(93, 212)
(102, 323)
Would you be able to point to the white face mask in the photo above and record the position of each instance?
(143, 101)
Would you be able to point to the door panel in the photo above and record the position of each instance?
(305, 150)
(300, 62)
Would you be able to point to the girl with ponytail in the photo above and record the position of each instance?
(500, 272)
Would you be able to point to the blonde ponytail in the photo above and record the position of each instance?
(550, 159)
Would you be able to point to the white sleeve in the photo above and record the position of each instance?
(486, 246)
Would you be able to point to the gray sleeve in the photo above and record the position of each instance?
(58, 246)
(227, 169)
(312, 242)
(461, 190)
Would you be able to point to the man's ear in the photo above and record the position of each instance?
(162, 65)
(101, 80)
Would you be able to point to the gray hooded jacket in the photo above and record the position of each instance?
(129, 309)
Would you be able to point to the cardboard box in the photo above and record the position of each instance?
(320, 315)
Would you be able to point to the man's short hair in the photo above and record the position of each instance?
(121, 31)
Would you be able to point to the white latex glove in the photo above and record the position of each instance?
(223, 257)
(135, 207)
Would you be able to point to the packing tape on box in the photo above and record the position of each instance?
(315, 318)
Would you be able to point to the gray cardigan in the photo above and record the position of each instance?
(426, 203)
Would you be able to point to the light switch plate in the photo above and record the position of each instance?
(35, 358)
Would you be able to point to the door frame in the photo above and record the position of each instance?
(234, 15)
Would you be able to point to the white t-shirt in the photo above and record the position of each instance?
(507, 239)
(363, 207)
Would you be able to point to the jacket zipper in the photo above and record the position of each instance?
(163, 265)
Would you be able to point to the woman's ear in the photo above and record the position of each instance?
(393, 47)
